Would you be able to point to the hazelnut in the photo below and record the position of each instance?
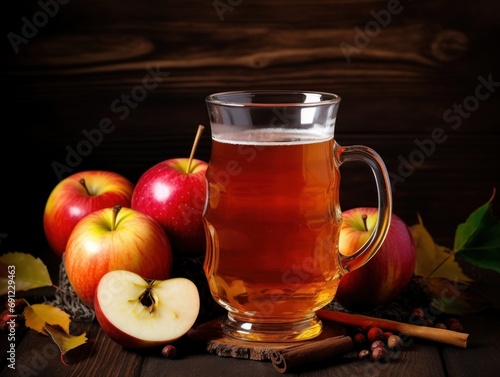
(379, 353)
(394, 342)
(363, 354)
(377, 343)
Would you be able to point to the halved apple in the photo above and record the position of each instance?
(140, 313)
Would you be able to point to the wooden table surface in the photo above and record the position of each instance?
(37, 355)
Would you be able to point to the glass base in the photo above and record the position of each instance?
(242, 329)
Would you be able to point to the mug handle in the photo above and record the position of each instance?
(384, 195)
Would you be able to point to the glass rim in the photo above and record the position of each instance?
(316, 98)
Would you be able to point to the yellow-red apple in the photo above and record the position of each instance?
(387, 273)
(115, 239)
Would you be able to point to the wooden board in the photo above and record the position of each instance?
(222, 345)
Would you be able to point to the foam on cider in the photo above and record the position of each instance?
(273, 136)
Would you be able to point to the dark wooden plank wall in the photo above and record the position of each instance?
(407, 71)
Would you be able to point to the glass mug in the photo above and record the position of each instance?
(272, 216)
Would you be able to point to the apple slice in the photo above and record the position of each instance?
(140, 313)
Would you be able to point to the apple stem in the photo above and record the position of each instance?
(82, 182)
(364, 217)
(195, 144)
(116, 210)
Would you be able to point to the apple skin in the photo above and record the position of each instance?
(387, 273)
(69, 202)
(138, 244)
(131, 324)
(176, 199)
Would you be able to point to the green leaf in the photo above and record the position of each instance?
(477, 241)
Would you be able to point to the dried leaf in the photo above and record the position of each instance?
(64, 340)
(455, 298)
(434, 260)
(39, 315)
(486, 283)
(30, 272)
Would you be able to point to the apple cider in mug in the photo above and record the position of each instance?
(273, 224)
(273, 216)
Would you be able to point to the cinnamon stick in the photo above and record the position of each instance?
(297, 357)
(450, 337)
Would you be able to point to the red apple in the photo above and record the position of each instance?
(115, 239)
(78, 195)
(387, 273)
(175, 195)
(141, 313)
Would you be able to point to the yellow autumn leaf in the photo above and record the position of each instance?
(28, 272)
(64, 340)
(434, 260)
(39, 315)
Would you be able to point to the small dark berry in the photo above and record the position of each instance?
(357, 329)
(449, 321)
(359, 339)
(20, 304)
(169, 351)
(418, 312)
(456, 326)
(366, 327)
(375, 333)
(387, 334)
(5, 316)
(440, 325)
